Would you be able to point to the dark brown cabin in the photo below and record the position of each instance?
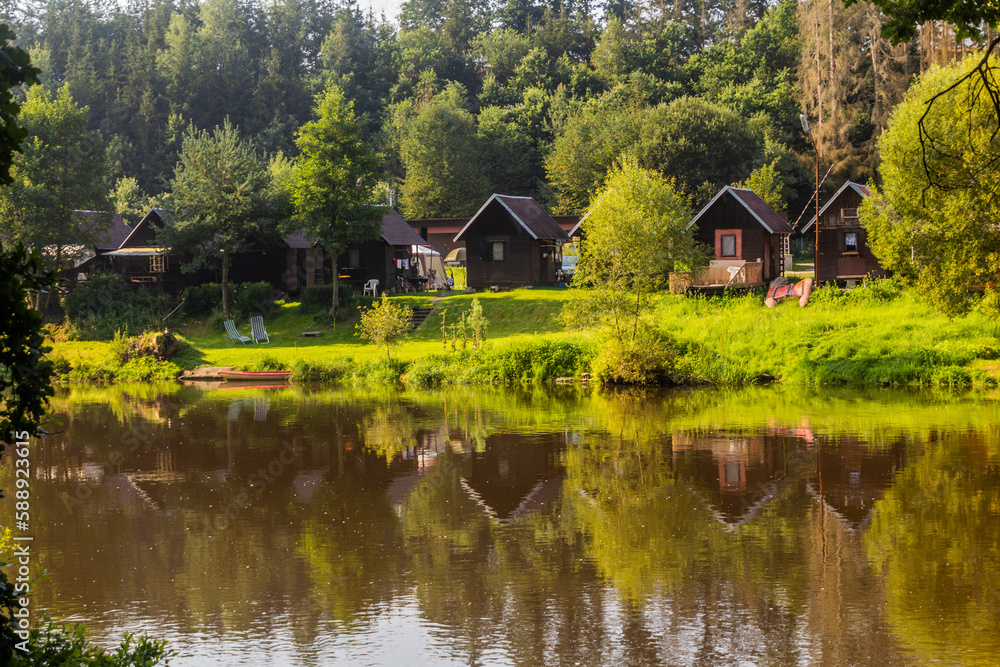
(844, 255)
(141, 260)
(853, 474)
(439, 233)
(387, 259)
(110, 231)
(739, 226)
(512, 242)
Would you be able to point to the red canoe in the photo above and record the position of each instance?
(254, 376)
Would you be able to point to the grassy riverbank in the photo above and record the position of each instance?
(879, 334)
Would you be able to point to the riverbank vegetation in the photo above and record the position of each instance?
(879, 334)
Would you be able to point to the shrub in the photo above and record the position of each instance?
(331, 371)
(105, 303)
(50, 645)
(253, 299)
(648, 360)
(202, 299)
(265, 362)
(318, 297)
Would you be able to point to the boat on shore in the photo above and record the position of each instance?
(255, 376)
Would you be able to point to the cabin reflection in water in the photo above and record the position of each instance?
(741, 473)
(514, 475)
(852, 475)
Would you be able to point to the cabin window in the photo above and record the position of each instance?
(728, 243)
(354, 257)
(849, 213)
(157, 264)
(497, 251)
(851, 242)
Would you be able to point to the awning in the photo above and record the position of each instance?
(137, 252)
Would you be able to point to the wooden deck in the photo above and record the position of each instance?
(719, 276)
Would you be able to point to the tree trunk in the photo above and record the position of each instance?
(335, 305)
(48, 297)
(225, 282)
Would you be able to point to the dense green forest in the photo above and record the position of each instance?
(462, 98)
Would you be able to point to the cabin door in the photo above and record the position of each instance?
(544, 260)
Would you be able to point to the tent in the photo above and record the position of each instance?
(429, 260)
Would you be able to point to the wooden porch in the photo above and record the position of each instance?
(719, 276)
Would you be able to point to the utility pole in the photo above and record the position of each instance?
(805, 128)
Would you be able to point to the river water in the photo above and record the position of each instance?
(571, 526)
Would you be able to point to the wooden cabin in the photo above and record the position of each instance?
(512, 242)
(387, 259)
(844, 255)
(141, 260)
(747, 237)
(439, 233)
(107, 230)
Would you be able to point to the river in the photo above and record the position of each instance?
(290, 526)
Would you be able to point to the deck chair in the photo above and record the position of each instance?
(371, 287)
(257, 329)
(234, 334)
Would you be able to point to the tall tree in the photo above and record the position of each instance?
(935, 215)
(220, 195)
(635, 234)
(702, 145)
(331, 190)
(442, 154)
(61, 170)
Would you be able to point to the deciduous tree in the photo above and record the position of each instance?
(946, 236)
(332, 186)
(61, 170)
(385, 322)
(634, 236)
(220, 198)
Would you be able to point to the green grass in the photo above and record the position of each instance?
(512, 316)
(878, 335)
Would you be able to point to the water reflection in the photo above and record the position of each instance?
(495, 527)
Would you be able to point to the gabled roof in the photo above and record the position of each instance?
(527, 213)
(576, 228)
(396, 231)
(298, 240)
(857, 187)
(109, 238)
(760, 211)
(156, 218)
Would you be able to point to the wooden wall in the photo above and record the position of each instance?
(834, 265)
(757, 244)
(523, 263)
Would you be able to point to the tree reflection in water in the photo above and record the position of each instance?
(533, 527)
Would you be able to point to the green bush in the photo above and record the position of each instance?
(105, 303)
(249, 299)
(647, 360)
(318, 297)
(202, 299)
(265, 362)
(50, 645)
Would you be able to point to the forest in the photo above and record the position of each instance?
(462, 98)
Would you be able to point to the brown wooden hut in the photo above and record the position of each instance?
(387, 259)
(108, 232)
(141, 260)
(512, 242)
(844, 255)
(743, 232)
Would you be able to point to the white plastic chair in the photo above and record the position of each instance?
(371, 287)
